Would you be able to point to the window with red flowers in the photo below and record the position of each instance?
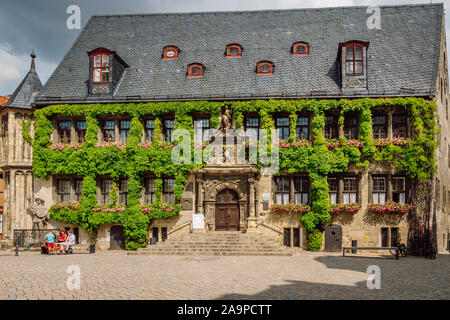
(101, 67)
(354, 60)
(300, 48)
(170, 52)
(234, 50)
(195, 70)
(264, 67)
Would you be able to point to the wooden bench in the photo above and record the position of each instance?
(373, 248)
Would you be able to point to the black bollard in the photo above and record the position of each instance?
(17, 249)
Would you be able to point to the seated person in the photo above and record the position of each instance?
(61, 241)
(69, 242)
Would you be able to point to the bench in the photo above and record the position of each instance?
(373, 248)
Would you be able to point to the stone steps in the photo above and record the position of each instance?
(216, 244)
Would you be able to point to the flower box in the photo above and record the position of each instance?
(390, 207)
(62, 146)
(289, 208)
(108, 208)
(119, 145)
(394, 141)
(343, 208)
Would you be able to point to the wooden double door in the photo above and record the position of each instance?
(227, 211)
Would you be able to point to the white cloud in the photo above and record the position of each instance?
(14, 67)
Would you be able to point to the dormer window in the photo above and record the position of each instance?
(105, 70)
(300, 48)
(170, 52)
(234, 50)
(195, 70)
(264, 67)
(354, 55)
(101, 67)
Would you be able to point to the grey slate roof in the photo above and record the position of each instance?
(404, 53)
(26, 92)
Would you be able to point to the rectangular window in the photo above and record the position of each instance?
(399, 128)
(394, 237)
(287, 237)
(251, 129)
(379, 190)
(296, 237)
(201, 127)
(350, 189)
(77, 186)
(64, 131)
(155, 234)
(282, 190)
(108, 131)
(399, 189)
(282, 127)
(351, 127)
(379, 126)
(4, 125)
(331, 127)
(63, 189)
(149, 130)
(101, 68)
(123, 191)
(149, 187)
(302, 128)
(384, 237)
(80, 127)
(163, 234)
(301, 190)
(124, 128)
(168, 194)
(169, 125)
(106, 187)
(333, 190)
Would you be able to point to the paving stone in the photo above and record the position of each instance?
(302, 276)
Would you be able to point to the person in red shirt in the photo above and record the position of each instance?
(60, 244)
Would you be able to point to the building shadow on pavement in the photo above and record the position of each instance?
(407, 278)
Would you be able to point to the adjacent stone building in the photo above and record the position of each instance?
(280, 55)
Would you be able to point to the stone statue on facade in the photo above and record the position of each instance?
(38, 212)
(226, 119)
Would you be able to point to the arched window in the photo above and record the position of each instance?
(195, 70)
(101, 65)
(264, 67)
(170, 52)
(234, 50)
(354, 57)
(300, 48)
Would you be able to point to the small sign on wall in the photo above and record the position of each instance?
(198, 221)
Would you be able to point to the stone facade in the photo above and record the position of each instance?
(255, 192)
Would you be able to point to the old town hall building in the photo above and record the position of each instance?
(230, 59)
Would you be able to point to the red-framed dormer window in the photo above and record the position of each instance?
(354, 57)
(300, 48)
(195, 70)
(101, 65)
(170, 52)
(264, 67)
(234, 50)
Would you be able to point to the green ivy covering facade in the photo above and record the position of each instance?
(416, 160)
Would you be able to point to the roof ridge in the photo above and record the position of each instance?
(265, 11)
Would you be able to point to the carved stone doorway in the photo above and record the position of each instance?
(227, 211)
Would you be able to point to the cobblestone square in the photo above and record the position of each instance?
(115, 275)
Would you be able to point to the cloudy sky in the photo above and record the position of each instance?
(41, 25)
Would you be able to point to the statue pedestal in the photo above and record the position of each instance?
(252, 224)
